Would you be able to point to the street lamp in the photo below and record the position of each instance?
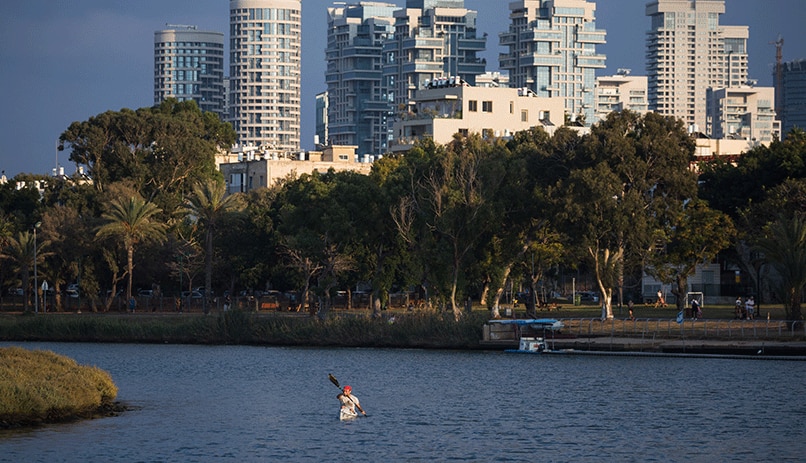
(36, 283)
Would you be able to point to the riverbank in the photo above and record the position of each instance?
(43, 387)
(426, 330)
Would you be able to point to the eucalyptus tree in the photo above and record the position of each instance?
(208, 205)
(162, 151)
(732, 186)
(363, 225)
(315, 231)
(696, 235)
(532, 225)
(131, 221)
(453, 205)
(630, 178)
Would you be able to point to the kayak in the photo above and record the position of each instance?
(347, 414)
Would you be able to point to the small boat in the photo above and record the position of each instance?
(534, 323)
(346, 414)
(530, 345)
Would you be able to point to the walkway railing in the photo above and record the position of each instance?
(670, 328)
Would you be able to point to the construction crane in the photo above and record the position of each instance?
(779, 75)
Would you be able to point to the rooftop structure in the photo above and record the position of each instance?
(443, 109)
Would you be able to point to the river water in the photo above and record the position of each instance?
(266, 404)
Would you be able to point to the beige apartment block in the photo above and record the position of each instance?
(619, 92)
(710, 149)
(246, 168)
(492, 112)
(742, 113)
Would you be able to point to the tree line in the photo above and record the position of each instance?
(466, 219)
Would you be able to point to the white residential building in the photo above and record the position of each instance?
(265, 39)
(688, 51)
(742, 113)
(619, 92)
(189, 65)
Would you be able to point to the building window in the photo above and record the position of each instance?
(524, 115)
(473, 106)
(487, 106)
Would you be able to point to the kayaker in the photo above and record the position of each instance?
(349, 403)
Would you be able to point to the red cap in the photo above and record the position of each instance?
(347, 389)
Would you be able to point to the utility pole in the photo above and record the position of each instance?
(779, 75)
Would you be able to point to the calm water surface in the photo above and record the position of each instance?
(244, 404)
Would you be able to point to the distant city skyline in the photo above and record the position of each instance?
(66, 62)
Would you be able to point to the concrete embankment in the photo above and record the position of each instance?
(751, 347)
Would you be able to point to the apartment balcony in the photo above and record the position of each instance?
(361, 52)
(423, 66)
(362, 75)
(506, 39)
(472, 44)
(591, 61)
(597, 37)
(475, 68)
(541, 60)
(539, 35)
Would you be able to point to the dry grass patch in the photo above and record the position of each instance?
(41, 386)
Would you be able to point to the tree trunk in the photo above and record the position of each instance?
(130, 271)
(532, 301)
(208, 268)
(496, 303)
(455, 308)
(679, 290)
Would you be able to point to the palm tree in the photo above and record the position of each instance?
(132, 222)
(784, 247)
(208, 205)
(21, 250)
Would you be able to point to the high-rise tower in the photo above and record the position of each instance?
(357, 103)
(432, 39)
(552, 52)
(189, 65)
(265, 39)
(689, 52)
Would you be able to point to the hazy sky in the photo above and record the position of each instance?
(65, 61)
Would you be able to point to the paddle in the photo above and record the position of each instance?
(336, 382)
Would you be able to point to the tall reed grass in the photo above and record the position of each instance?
(425, 330)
